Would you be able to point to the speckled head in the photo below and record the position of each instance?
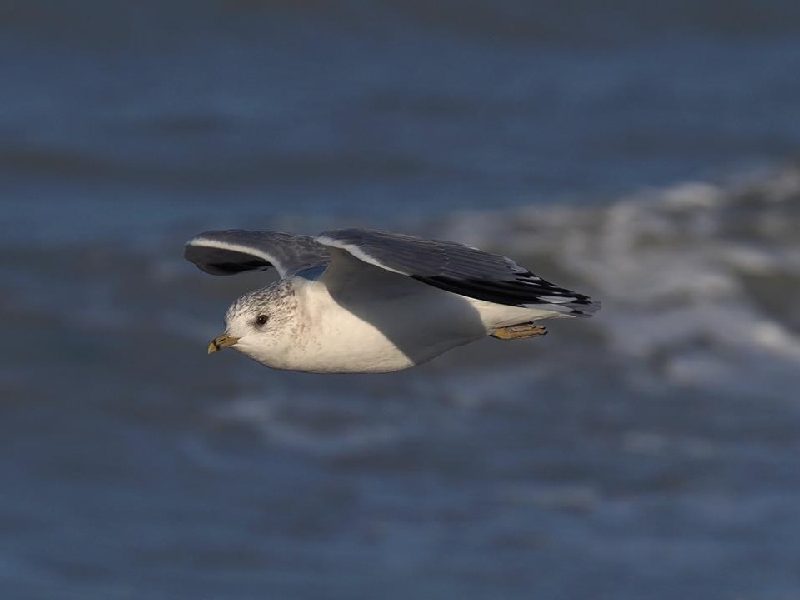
(259, 324)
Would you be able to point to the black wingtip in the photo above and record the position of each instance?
(585, 309)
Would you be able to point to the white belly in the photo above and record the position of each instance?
(388, 327)
(375, 333)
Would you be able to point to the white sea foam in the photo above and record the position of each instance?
(699, 282)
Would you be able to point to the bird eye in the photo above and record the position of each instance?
(261, 320)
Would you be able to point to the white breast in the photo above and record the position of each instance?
(382, 329)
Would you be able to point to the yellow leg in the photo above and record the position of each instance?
(518, 332)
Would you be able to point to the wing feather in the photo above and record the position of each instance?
(457, 268)
(236, 250)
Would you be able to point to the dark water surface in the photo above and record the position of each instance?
(644, 154)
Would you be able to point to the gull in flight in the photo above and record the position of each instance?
(366, 301)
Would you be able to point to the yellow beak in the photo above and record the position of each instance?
(220, 342)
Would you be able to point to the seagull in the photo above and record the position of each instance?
(368, 301)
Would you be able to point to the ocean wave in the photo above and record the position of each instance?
(699, 281)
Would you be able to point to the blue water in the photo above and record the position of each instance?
(644, 154)
(370, 112)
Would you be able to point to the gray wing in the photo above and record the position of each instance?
(236, 250)
(457, 268)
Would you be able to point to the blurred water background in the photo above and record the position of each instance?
(644, 153)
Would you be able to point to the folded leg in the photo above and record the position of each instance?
(518, 332)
